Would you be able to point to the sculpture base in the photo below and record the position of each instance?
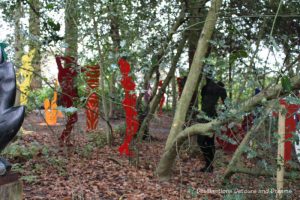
(11, 187)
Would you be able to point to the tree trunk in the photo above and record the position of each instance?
(112, 91)
(174, 95)
(280, 153)
(71, 27)
(167, 160)
(194, 10)
(34, 30)
(116, 38)
(18, 46)
(194, 73)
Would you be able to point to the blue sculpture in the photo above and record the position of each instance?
(11, 118)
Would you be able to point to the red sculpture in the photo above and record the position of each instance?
(129, 105)
(162, 100)
(235, 133)
(290, 127)
(66, 79)
(180, 83)
(92, 106)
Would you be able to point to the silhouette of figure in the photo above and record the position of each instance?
(210, 93)
(11, 118)
(66, 79)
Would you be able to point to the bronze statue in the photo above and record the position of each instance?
(11, 118)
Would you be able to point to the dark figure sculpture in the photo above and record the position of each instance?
(210, 93)
(66, 78)
(11, 118)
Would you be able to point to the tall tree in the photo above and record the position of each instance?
(166, 162)
(18, 44)
(71, 27)
(35, 32)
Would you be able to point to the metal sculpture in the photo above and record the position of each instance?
(129, 105)
(66, 79)
(92, 106)
(290, 127)
(51, 112)
(25, 75)
(11, 118)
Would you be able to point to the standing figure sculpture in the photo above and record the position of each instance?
(11, 118)
(92, 106)
(25, 75)
(210, 94)
(66, 79)
(129, 105)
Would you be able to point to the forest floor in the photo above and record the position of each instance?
(91, 170)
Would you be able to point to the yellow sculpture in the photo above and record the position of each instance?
(51, 112)
(25, 76)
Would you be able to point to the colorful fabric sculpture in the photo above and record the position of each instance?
(25, 76)
(92, 106)
(66, 79)
(129, 105)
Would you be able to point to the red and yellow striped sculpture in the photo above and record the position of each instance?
(92, 106)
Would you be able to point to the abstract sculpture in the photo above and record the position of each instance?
(234, 134)
(25, 76)
(51, 112)
(66, 79)
(92, 106)
(129, 105)
(11, 118)
(290, 127)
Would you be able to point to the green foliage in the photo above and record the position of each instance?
(236, 55)
(68, 111)
(18, 167)
(286, 83)
(20, 151)
(30, 179)
(36, 98)
(120, 129)
(87, 150)
(97, 139)
(59, 163)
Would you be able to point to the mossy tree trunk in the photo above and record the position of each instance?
(71, 27)
(18, 46)
(35, 32)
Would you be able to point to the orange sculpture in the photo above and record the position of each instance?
(92, 106)
(51, 112)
